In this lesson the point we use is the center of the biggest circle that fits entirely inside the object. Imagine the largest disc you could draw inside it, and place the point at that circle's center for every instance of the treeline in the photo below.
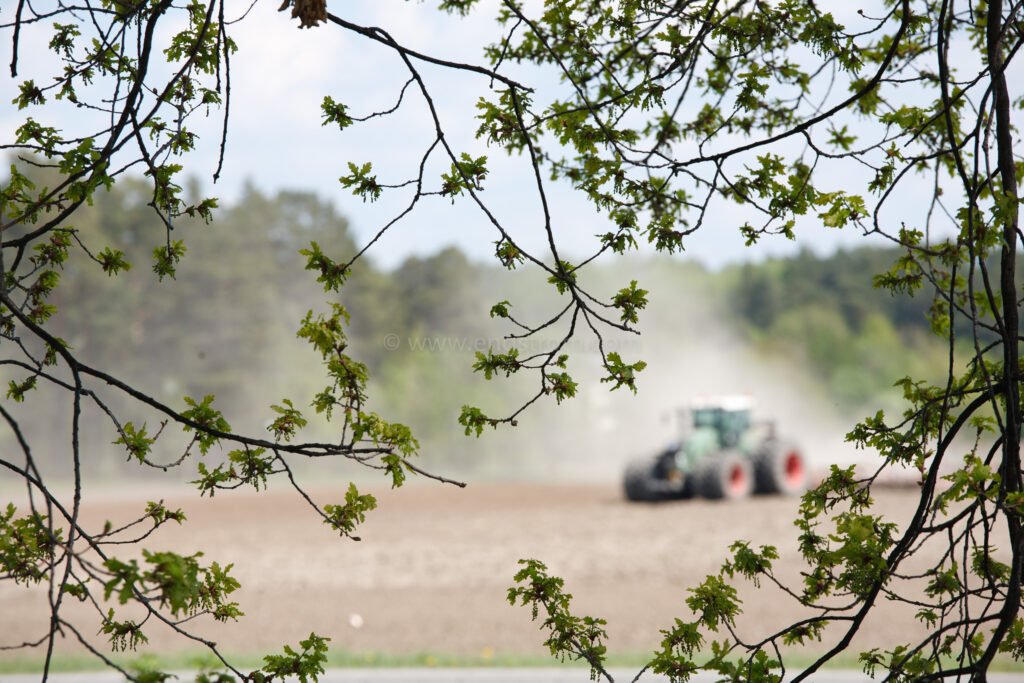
(225, 325)
(826, 312)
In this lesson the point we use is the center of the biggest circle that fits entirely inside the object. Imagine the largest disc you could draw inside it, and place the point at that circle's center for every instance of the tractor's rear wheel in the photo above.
(725, 476)
(779, 467)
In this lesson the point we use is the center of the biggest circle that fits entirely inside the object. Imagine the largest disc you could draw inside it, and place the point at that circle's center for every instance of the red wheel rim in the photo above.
(794, 469)
(737, 480)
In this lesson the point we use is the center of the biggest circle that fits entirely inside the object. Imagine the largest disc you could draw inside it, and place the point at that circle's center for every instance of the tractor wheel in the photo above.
(779, 468)
(640, 484)
(725, 476)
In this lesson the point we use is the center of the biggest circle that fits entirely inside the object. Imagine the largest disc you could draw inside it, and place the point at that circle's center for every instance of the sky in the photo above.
(276, 141)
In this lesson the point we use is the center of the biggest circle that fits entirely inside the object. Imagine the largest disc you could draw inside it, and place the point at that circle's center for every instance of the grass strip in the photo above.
(340, 659)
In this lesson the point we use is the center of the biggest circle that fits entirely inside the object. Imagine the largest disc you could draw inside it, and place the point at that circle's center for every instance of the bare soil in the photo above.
(435, 563)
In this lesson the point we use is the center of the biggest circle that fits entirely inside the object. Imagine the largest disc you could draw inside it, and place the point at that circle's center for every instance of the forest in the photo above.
(419, 326)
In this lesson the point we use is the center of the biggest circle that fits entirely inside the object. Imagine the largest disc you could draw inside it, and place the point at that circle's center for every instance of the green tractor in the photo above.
(721, 455)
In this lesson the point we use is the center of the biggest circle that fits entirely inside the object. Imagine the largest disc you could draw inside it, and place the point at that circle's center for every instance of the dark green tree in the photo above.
(661, 115)
(826, 315)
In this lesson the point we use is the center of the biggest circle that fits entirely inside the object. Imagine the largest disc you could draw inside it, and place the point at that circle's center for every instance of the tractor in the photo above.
(721, 454)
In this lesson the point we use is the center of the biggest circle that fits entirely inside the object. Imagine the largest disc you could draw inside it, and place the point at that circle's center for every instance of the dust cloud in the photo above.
(691, 353)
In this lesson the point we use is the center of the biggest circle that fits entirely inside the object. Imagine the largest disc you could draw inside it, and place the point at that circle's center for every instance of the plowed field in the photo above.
(435, 562)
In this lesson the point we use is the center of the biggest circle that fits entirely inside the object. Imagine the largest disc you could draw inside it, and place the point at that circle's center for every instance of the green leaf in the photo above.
(362, 183)
(135, 441)
(306, 665)
(629, 300)
(564, 277)
(166, 258)
(345, 518)
(288, 421)
(336, 113)
(570, 636)
(208, 420)
(621, 373)
(113, 261)
(474, 420)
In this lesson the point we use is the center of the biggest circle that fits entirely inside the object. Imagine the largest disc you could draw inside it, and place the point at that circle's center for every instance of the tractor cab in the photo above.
(712, 426)
(728, 424)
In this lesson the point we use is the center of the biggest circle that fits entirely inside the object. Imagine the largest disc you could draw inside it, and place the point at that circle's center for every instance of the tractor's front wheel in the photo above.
(639, 482)
(725, 476)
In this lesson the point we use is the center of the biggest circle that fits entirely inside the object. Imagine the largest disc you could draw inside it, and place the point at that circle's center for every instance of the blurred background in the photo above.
(806, 336)
(796, 325)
